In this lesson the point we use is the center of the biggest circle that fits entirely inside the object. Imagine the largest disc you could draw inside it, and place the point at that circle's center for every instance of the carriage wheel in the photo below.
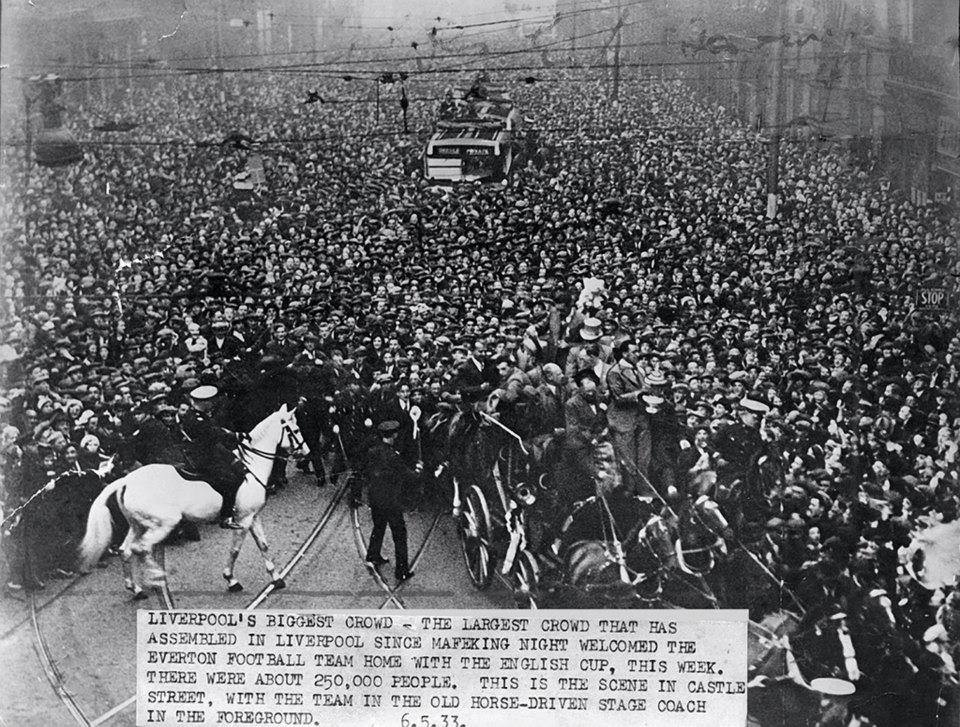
(525, 577)
(475, 536)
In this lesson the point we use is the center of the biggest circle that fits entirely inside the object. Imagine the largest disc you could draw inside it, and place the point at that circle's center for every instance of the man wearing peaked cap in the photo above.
(740, 447)
(386, 477)
(209, 451)
(754, 405)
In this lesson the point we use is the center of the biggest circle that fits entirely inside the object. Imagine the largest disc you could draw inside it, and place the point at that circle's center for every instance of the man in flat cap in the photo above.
(209, 451)
(386, 476)
(151, 439)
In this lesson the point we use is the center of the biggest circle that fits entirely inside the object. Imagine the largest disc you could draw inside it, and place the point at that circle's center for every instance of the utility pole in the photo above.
(773, 157)
(575, 14)
(615, 91)
(616, 34)
(218, 19)
(28, 133)
(129, 68)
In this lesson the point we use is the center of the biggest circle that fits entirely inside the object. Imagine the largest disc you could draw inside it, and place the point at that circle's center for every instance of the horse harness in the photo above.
(704, 557)
(296, 441)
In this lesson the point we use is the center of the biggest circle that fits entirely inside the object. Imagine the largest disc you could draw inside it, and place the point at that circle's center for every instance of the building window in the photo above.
(901, 20)
(948, 137)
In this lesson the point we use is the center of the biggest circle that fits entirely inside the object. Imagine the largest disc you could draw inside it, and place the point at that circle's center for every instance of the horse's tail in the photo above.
(99, 528)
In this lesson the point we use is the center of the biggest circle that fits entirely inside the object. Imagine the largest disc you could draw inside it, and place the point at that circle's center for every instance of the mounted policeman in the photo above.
(209, 451)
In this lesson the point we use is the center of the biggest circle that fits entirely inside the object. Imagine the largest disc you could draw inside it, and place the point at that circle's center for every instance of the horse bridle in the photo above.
(297, 442)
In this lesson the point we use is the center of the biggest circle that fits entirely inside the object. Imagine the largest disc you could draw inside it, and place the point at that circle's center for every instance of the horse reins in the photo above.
(297, 443)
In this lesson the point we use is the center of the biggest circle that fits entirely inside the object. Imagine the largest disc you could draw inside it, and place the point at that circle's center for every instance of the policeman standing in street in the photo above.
(209, 451)
(386, 476)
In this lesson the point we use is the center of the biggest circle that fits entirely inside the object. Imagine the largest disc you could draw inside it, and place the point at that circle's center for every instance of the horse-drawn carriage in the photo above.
(491, 499)
(606, 548)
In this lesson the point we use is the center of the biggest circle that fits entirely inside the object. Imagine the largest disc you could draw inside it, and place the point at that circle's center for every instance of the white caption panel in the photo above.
(442, 668)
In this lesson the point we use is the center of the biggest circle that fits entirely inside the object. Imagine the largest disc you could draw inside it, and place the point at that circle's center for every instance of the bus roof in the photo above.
(471, 136)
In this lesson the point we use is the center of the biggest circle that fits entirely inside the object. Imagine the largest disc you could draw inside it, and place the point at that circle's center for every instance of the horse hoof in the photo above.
(279, 584)
(139, 595)
(235, 587)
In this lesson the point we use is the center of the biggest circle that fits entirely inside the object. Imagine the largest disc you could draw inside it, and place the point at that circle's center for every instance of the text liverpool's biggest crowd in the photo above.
(128, 281)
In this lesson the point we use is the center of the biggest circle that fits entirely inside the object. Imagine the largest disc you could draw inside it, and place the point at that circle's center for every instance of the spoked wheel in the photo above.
(525, 577)
(475, 537)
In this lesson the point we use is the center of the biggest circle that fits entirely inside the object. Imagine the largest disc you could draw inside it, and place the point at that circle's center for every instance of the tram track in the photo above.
(48, 664)
(420, 551)
(166, 601)
(306, 544)
(361, 545)
(50, 670)
(49, 602)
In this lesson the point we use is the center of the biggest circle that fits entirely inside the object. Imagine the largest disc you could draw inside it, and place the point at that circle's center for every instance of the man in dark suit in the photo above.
(474, 378)
(664, 444)
(629, 426)
(280, 345)
(223, 345)
(550, 403)
(584, 423)
(738, 444)
(315, 390)
(386, 476)
(209, 451)
(396, 406)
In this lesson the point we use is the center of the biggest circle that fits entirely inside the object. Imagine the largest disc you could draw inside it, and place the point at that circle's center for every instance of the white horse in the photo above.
(155, 498)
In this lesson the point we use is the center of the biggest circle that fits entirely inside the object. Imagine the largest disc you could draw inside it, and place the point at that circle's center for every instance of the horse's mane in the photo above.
(256, 434)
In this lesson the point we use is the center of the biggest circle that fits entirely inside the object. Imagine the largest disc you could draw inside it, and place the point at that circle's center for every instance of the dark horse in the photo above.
(612, 551)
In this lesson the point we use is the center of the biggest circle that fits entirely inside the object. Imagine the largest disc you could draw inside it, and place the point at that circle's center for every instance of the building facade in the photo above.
(882, 76)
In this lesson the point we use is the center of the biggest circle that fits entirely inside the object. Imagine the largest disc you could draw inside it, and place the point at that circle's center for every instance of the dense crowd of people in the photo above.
(625, 285)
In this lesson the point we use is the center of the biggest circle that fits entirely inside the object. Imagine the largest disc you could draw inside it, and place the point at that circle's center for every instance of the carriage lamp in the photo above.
(525, 495)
